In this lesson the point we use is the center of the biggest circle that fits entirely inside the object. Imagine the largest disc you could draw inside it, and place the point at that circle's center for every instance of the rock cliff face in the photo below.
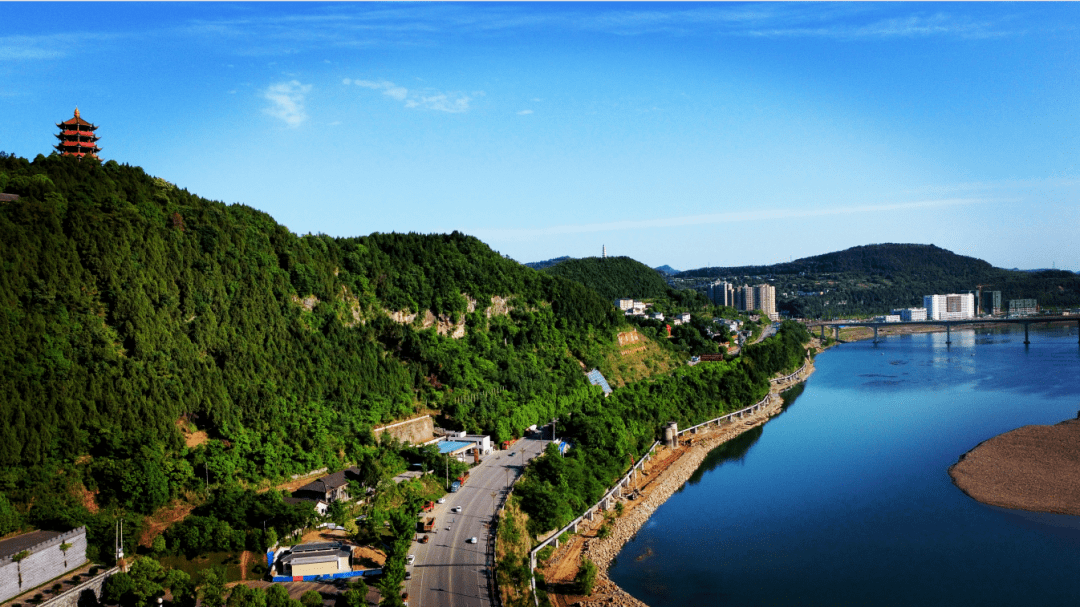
(442, 324)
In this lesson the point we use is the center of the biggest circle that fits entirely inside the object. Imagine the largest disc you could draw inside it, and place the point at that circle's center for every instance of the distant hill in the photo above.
(874, 279)
(540, 265)
(613, 277)
(666, 269)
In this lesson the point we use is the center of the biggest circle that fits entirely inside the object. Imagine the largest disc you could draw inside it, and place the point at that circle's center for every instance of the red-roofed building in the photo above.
(77, 138)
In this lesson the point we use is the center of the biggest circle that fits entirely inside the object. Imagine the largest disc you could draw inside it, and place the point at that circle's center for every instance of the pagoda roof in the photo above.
(76, 120)
(85, 144)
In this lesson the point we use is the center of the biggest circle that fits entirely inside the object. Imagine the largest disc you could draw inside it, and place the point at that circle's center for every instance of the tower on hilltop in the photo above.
(77, 138)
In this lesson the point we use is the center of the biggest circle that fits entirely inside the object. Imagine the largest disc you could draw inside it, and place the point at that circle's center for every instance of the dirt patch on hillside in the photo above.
(87, 498)
(161, 520)
(192, 438)
(1031, 468)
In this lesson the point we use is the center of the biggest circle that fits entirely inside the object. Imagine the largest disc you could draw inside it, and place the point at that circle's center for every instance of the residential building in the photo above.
(625, 304)
(765, 300)
(1023, 307)
(990, 303)
(721, 293)
(911, 314)
(953, 306)
(329, 488)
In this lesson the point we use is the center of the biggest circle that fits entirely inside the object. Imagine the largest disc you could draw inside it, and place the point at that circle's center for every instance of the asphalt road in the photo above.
(448, 571)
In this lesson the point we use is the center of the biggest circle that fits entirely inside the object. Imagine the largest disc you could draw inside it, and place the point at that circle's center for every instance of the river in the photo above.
(845, 499)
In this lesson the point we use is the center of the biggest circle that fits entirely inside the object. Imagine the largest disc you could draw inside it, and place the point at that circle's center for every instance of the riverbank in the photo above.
(665, 474)
(1034, 468)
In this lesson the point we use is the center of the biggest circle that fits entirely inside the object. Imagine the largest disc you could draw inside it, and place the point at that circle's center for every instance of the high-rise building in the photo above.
(954, 306)
(721, 293)
(77, 138)
(765, 300)
(990, 303)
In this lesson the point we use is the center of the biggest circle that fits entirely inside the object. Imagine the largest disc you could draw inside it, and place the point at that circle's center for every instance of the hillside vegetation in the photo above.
(613, 277)
(127, 303)
(875, 279)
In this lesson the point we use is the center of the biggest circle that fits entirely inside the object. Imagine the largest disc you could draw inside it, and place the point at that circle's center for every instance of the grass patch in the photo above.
(229, 560)
(512, 546)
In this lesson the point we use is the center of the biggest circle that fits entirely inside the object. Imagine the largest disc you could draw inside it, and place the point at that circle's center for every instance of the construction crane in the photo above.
(978, 299)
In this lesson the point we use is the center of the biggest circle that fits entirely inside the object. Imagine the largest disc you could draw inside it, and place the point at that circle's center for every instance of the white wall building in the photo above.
(954, 306)
(911, 314)
(625, 304)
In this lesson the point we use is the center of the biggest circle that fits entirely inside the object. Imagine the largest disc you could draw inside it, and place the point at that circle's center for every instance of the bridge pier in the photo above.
(1027, 342)
(875, 335)
(948, 334)
(836, 332)
(822, 331)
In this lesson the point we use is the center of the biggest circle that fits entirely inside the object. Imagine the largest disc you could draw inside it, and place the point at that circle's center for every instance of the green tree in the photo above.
(311, 598)
(586, 577)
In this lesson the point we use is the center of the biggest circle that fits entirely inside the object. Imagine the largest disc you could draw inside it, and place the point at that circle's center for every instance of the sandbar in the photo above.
(1034, 468)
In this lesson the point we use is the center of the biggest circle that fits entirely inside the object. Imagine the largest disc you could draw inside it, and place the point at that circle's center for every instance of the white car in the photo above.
(441, 500)
(472, 540)
(409, 559)
(456, 509)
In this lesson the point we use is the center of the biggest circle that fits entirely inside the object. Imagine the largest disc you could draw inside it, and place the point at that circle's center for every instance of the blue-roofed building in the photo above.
(452, 447)
(597, 379)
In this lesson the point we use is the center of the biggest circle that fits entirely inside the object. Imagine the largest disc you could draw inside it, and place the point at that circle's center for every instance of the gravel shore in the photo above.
(1033, 468)
(657, 491)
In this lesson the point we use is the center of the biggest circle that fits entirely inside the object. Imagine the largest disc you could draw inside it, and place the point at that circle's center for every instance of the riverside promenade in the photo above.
(663, 475)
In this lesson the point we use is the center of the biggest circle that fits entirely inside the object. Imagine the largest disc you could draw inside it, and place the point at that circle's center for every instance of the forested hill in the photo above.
(913, 259)
(613, 277)
(128, 304)
(874, 279)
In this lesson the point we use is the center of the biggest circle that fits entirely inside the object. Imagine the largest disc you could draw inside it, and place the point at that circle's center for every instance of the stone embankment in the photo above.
(656, 489)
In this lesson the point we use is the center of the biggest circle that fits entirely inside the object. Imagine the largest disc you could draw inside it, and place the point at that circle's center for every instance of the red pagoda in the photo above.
(77, 138)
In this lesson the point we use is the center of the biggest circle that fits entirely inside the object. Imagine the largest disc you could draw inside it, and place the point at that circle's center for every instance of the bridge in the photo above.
(1027, 321)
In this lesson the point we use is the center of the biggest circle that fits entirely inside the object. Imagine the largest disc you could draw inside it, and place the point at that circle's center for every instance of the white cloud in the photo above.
(524, 112)
(715, 218)
(287, 99)
(453, 102)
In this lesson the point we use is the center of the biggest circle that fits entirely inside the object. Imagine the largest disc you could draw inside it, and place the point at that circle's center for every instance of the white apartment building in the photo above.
(911, 314)
(954, 306)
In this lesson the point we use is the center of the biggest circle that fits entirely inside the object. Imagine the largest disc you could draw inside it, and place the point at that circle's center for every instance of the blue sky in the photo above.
(683, 134)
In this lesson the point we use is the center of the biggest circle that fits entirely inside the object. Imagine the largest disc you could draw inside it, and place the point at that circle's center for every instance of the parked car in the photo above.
(456, 509)
(441, 500)
(472, 540)
(409, 559)
(408, 575)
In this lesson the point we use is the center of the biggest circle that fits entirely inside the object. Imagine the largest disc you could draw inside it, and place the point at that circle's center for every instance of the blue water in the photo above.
(845, 499)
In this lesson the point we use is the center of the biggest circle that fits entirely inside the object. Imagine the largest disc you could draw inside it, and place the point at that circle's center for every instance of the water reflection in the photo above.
(735, 450)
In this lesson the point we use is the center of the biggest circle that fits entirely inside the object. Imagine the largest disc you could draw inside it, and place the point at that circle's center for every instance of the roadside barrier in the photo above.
(790, 375)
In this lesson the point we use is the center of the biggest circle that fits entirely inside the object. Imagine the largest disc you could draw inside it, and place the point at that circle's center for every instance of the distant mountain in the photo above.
(874, 279)
(613, 277)
(666, 269)
(540, 265)
(868, 259)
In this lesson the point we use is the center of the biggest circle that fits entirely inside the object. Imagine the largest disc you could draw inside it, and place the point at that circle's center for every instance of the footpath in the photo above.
(664, 475)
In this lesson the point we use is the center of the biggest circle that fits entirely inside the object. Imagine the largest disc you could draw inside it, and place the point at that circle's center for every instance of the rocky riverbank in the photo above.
(1033, 468)
(656, 489)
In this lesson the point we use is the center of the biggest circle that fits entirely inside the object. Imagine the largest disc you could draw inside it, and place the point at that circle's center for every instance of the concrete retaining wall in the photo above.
(45, 562)
(86, 593)
(416, 431)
